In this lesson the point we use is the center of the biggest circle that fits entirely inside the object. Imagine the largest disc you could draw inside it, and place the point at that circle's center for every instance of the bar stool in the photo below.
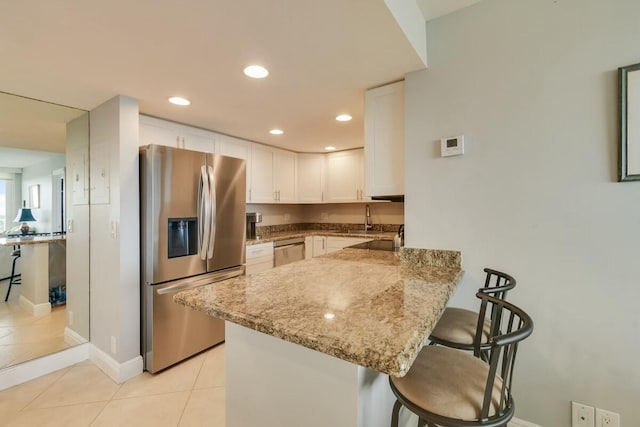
(451, 388)
(15, 279)
(457, 326)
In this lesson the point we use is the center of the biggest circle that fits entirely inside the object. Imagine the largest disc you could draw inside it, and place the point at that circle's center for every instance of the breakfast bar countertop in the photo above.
(371, 308)
(31, 240)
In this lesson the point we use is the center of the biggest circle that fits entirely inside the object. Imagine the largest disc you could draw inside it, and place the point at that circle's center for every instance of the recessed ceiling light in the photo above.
(276, 132)
(179, 101)
(329, 316)
(256, 71)
(330, 148)
(343, 118)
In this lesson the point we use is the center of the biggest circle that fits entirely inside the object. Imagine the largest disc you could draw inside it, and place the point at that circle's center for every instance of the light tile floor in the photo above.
(23, 336)
(189, 394)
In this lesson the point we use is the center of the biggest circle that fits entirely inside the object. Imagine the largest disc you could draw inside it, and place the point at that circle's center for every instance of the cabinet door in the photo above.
(197, 139)
(337, 243)
(343, 176)
(361, 176)
(310, 178)
(308, 247)
(319, 245)
(156, 131)
(284, 172)
(262, 184)
(238, 148)
(384, 140)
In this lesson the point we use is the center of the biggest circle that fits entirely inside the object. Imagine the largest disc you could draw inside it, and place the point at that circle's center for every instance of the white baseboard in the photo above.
(72, 338)
(119, 372)
(35, 368)
(516, 422)
(35, 309)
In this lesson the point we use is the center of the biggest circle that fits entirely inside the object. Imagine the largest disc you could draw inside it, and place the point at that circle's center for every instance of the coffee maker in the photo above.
(253, 219)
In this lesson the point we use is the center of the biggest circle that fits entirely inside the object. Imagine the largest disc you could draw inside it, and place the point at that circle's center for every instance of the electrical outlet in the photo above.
(606, 418)
(287, 217)
(70, 317)
(582, 415)
(324, 216)
(114, 348)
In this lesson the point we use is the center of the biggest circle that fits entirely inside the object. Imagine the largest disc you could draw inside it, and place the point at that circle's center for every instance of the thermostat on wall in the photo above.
(452, 146)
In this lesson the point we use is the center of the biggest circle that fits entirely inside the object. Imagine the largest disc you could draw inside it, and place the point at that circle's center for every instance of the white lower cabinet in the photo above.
(337, 243)
(326, 244)
(308, 247)
(319, 245)
(259, 258)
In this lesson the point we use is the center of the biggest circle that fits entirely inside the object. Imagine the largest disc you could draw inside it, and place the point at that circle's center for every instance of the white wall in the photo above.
(115, 260)
(40, 174)
(533, 86)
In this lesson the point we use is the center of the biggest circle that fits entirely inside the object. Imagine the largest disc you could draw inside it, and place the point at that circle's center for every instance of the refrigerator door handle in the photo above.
(212, 212)
(204, 226)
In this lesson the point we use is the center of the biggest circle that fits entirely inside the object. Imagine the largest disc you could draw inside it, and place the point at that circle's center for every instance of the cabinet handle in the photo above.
(278, 195)
(178, 141)
(322, 196)
(275, 195)
(249, 194)
(322, 244)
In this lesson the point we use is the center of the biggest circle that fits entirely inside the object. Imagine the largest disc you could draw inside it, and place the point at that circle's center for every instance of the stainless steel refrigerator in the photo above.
(192, 211)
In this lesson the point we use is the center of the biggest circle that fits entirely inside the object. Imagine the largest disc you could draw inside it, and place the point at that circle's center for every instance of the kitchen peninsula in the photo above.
(309, 343)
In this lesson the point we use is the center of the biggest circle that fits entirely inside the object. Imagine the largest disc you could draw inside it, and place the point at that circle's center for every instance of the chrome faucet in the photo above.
(368, 225)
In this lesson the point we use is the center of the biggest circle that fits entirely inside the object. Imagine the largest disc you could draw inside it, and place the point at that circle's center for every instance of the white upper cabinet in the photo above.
(262, 184)
(284, 172)
(311, 178)
(384, 140)
(163, 132)
(345, 176)
(273, 175)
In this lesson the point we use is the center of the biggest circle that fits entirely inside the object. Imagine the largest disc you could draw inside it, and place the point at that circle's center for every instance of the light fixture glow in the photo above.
(329, 316)
(276, 131)
(256, 71)
(330, 148)
(343, 118)
(177, 100)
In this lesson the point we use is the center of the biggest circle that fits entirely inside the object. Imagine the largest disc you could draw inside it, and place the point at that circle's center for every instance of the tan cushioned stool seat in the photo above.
(448, 382)
(458, 325)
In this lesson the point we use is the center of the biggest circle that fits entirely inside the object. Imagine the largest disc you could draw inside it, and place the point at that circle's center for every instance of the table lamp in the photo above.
(23, 216)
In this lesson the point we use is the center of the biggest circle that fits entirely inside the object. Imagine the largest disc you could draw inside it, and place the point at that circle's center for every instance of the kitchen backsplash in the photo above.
(351, 215)
(322, 226)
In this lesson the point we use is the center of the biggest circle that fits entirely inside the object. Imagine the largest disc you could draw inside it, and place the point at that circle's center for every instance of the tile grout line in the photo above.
(195, 381)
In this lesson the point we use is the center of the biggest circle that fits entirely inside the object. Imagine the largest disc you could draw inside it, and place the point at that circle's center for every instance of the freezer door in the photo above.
(228, 230)
(173, 332)
(169, 181)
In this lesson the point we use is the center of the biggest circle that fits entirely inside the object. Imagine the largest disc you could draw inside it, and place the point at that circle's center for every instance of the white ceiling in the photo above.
(432, 9)
(322, 56)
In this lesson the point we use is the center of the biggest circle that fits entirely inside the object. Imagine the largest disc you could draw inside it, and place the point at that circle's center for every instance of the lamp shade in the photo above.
(24, 215)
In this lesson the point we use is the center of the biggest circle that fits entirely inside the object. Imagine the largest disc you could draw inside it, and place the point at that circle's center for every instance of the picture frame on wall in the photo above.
(629, 97)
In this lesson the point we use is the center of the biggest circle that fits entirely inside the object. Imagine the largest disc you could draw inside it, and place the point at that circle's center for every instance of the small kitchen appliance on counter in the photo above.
(253, 218)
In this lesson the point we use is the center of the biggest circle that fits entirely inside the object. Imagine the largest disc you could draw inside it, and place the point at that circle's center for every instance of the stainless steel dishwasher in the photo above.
(289, 250)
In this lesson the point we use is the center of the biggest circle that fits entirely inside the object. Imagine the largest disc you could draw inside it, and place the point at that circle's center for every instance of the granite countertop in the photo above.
(30, 240)
(282, 235)
(371, 308)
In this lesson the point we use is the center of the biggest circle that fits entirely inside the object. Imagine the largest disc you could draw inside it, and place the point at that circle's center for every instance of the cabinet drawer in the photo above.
(259, 251)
